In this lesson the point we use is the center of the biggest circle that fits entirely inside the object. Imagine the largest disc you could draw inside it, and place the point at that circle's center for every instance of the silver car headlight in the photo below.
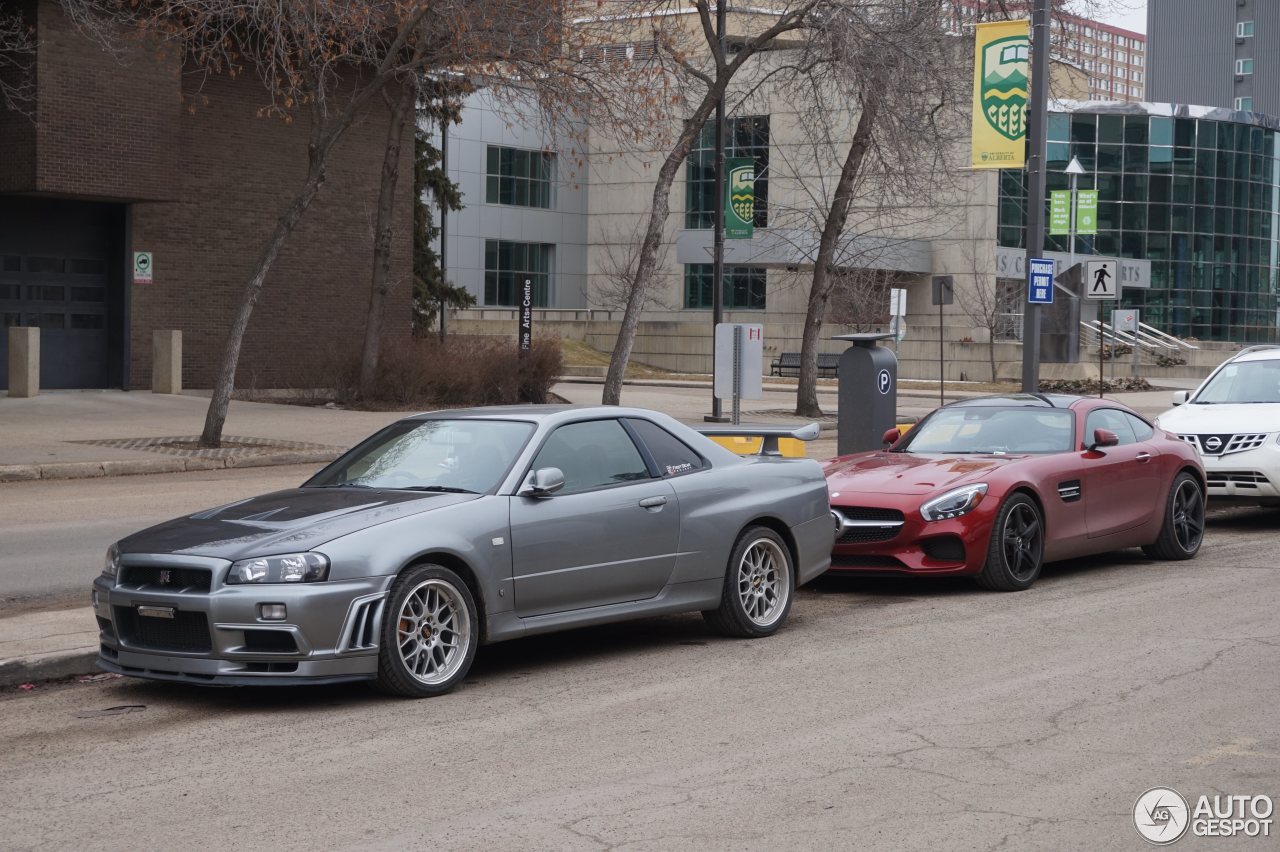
(286, 568)
(954, 503)
(111, 563)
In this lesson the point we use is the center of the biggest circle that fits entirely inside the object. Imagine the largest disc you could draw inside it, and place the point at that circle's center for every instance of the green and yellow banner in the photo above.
(740, 198)
(1001, 69)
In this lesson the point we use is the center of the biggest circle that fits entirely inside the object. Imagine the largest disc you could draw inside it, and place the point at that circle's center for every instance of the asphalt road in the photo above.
(885, 715)
(53, 534)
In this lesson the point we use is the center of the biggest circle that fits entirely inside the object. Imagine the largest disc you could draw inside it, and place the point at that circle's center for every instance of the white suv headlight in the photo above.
(954, 503)
(286, 568)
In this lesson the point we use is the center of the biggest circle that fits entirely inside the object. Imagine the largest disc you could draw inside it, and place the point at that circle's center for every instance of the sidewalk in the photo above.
(37, 646)
(80, 434)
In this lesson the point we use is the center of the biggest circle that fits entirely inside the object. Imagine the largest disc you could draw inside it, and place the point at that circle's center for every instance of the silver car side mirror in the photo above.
(543, 482)
(1180, 397)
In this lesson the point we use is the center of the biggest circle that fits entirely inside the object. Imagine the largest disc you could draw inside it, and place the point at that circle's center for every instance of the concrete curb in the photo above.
(168, 464)
(48, 667)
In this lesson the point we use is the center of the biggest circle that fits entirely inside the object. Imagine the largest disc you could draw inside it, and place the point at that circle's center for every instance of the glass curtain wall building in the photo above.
(1193, 190)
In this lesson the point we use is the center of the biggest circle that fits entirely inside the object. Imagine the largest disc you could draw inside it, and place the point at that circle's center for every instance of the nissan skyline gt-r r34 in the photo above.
(995, 487)
(451, 529)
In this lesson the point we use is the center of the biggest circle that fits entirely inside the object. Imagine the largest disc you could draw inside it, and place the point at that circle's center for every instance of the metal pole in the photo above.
(717, 260)
(1038, 107)
(444, 227)
(1072, 247)
(942, 393)
(737, 374)
(1101, 375)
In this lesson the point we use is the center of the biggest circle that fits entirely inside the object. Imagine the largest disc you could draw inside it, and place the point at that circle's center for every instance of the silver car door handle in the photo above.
(653, 502)
(1142, 458)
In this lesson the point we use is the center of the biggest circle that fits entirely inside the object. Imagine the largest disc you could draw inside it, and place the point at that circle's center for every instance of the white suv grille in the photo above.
(1222, 445)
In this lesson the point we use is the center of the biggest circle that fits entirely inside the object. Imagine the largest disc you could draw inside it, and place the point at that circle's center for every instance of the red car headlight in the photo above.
(954, 503)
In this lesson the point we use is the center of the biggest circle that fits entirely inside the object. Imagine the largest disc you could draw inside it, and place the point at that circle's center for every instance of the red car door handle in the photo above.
(1142, 458)
(653, 502)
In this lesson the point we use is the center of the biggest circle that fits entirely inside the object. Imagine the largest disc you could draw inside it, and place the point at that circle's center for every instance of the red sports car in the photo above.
(994, 487)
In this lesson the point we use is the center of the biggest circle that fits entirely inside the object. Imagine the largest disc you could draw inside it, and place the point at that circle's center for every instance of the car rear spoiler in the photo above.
(768, 433)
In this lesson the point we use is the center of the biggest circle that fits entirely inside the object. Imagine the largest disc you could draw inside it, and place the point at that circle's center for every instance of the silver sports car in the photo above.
(448, 530)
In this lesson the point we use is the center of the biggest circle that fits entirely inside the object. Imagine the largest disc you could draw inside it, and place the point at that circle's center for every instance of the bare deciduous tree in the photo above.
(694, 70)
(327, 62)
(17, 63)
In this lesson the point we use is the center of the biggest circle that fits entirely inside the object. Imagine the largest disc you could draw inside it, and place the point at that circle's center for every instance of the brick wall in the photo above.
(108, 128)
(206, 179)
(239, 173)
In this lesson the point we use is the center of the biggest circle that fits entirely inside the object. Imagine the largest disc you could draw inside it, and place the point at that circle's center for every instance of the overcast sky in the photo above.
(1130, 14)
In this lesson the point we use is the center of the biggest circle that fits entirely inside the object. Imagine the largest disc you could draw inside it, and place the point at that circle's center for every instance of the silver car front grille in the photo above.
(1225, 444)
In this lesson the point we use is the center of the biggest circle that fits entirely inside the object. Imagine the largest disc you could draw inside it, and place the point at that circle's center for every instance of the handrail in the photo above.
(1146, 336)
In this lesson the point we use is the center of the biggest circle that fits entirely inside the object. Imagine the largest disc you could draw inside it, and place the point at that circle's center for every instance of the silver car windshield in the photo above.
(468, 455)
(1245, 382)
(993, 430)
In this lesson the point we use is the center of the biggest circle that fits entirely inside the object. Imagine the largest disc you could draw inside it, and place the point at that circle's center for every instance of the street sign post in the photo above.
(1040, 281)
(1101, 283)
(739, 357)
(944, 293)
(898, 310)
(1126, 320)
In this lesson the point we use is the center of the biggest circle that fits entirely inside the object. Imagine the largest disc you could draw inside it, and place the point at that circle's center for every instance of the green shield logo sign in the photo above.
(1004, 85)
(741, 203)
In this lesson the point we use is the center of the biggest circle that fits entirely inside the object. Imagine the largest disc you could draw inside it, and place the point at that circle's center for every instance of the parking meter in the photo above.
(868, 393)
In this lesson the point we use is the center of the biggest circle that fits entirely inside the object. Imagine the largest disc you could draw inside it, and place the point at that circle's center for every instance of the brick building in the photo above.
(1114, 58)
(133, 155)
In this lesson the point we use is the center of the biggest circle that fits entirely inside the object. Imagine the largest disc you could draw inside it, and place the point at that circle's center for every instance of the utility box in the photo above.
(868, 393)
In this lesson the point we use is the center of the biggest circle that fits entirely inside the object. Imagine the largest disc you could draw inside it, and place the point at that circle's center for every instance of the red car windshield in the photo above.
(975, 429)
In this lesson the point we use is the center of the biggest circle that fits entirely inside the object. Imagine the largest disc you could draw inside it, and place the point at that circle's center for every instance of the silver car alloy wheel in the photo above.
(764, 582)
(433, 631)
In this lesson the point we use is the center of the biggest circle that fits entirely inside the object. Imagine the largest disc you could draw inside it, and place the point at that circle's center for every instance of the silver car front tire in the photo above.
(429, 633)
(758, 585)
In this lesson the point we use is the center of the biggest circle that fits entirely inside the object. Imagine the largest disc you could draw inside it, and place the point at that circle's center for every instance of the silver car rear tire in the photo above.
(758, 585)
(430, 633)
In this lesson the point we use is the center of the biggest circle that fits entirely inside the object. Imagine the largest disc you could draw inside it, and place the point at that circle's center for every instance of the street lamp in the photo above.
(1075, 170)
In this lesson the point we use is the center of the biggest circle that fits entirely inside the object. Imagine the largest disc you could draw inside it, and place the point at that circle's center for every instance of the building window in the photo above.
(519, 177)
(1244, 29)
(1137, 60)
(508, 264)
(1136, 91)
(1244, 104)
(1244, 66)
(1137, 76)
(745, 136)
(743, 287)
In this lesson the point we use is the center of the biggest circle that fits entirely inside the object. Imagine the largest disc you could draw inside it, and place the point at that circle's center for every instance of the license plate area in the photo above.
(152, 611)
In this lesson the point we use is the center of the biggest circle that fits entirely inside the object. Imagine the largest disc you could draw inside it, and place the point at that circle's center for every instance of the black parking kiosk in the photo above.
(868, 393)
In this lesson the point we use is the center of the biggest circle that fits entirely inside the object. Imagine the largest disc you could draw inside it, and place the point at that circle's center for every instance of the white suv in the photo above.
(1233, 419)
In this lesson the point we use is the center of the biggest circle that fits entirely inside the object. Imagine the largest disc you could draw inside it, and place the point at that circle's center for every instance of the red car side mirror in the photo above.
(1104, 438)
(891, 437)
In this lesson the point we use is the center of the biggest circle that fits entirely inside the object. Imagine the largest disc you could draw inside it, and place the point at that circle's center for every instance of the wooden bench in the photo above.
(788, 364)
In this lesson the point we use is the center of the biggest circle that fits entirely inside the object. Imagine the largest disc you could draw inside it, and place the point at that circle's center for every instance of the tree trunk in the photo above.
(991, 353)
(647, 261)
(216, 416)
(820, 291)
(382, 235)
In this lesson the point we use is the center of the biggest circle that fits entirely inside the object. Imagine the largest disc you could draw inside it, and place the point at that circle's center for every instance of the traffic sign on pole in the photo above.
(1101, 281)
(1040, 281)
